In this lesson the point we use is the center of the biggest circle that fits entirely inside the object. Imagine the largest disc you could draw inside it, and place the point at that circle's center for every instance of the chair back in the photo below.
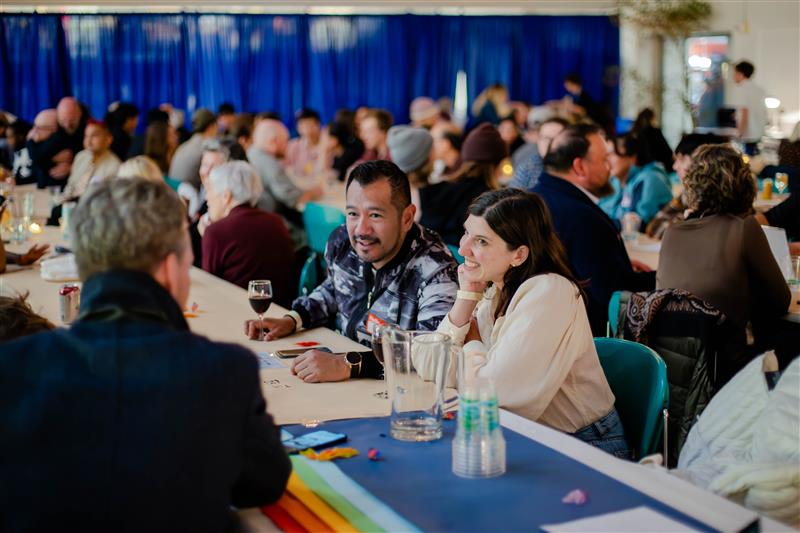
(320, 221)
(638, 378)
(457, 256)
(613, 313)
(309, 278)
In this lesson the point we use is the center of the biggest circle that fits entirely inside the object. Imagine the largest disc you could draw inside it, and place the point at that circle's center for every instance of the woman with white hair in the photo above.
(244, 243)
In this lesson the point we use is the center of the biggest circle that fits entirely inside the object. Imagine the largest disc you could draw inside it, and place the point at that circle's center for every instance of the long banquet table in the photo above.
(219, 313)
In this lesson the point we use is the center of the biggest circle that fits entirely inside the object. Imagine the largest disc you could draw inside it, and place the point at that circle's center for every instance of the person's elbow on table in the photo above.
(276, 327)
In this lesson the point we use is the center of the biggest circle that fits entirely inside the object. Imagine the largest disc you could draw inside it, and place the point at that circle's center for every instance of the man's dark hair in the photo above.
(373, 171)
(574, 77)
(570, 144)
(307, 113)
(382, 117)
(156, 115)
(268, 115)
(746, 68)
(692, 141)
(454, 139)
(226, 108)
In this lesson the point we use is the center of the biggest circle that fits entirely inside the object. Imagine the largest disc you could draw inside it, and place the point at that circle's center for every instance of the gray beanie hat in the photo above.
(409, 147)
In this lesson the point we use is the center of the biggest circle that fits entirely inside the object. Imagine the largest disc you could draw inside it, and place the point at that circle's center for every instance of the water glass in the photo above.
(794, 271)
(415, 364)
(631, 222)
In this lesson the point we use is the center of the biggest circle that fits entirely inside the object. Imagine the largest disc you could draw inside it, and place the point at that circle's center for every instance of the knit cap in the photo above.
(410, 147)
(484, 145)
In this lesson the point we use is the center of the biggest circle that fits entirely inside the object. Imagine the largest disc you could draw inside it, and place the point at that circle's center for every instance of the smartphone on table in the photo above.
(314, 440)
(294, 352)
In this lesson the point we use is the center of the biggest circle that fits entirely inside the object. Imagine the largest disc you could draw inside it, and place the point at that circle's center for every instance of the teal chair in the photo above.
(174, 184)
(319, 221)
(454, 250)
(638, 379)
(613, 314)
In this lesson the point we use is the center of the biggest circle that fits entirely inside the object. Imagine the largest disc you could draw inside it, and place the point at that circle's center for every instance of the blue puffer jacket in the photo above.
(414, 291)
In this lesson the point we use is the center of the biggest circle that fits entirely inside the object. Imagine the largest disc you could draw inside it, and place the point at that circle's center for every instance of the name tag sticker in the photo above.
(374, 321)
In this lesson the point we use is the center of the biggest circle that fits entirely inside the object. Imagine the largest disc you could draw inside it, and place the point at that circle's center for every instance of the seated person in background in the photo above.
(17, 319)
(306, 157)
(720, 253)
(373, 131)
(141, 166)
(644, 187)
(16, 134)
(122, 119)
(95, 162)
(509, 132)
(52, 157)
(424, 112)
(412, 152)
(444, 204)
(44, 127)
(674, 211)
(344, 146)
(785, 215)
(447, 141)
(226, 117)
(159, 428)
(576, 175)
(529, 332)
(244, 243)
(382, 269)
(185, 164)
(528, 170)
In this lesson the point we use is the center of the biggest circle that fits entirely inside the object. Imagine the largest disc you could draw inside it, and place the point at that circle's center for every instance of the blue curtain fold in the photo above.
(285, 62)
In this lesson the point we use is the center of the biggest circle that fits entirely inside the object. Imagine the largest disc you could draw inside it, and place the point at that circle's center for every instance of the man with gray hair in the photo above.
(244, 242)
(159, 428)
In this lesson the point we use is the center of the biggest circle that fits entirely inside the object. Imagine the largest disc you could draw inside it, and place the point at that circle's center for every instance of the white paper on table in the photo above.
(266, 360)
(652, 247)
(641, 519)
(776, 237)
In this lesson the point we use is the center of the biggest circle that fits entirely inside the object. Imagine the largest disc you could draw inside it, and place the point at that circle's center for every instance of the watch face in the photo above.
(353, 358)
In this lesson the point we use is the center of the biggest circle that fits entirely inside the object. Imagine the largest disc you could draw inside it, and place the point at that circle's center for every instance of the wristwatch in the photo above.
(353, 360)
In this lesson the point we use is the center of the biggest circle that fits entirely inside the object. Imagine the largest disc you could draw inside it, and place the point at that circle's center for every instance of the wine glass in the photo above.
(259, 292)
(781, 181)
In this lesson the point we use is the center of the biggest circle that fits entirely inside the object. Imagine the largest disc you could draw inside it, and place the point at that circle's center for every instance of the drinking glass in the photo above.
(259, 292)
(781, 181)
(377, 342)
(631, 222)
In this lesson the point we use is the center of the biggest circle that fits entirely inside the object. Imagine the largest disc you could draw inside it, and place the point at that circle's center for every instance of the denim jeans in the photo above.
(607, 434)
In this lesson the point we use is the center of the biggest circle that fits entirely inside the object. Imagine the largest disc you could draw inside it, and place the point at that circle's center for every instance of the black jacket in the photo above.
(130, 422)
(594, 247)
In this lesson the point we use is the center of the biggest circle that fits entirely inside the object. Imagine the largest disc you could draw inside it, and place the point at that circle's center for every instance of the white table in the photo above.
(222, 309)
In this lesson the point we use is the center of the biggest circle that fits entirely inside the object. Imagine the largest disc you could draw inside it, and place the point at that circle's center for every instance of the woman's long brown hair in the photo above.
(522, 219)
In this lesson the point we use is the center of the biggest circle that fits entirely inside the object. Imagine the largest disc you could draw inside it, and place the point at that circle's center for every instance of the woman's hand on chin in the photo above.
(469, 279)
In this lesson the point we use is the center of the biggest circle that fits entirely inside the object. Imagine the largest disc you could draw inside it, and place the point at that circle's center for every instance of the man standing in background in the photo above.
(751, 113)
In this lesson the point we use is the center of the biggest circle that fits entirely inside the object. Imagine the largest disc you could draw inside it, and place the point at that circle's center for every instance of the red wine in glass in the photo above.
(259, 293)
(260, 304)
(377, 343)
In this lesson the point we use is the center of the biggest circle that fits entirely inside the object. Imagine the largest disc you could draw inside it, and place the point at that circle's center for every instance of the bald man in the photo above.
(52, 157)
(281, 195)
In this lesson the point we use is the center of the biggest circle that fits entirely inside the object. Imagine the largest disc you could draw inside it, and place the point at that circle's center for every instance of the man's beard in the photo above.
(604, 190)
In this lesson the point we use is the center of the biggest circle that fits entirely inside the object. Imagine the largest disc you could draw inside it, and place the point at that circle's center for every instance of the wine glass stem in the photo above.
(261, 335)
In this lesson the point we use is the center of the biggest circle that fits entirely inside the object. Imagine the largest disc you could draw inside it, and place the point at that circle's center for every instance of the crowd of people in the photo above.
(542, 256)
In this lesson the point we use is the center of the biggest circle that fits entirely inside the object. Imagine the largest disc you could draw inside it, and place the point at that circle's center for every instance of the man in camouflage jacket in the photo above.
(382, 269)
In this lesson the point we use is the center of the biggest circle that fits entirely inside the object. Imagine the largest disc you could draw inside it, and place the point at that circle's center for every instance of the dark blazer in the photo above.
(594, 247)
(130, 422)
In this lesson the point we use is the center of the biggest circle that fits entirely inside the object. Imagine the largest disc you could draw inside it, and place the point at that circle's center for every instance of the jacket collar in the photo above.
(134, 295)
(563, 186)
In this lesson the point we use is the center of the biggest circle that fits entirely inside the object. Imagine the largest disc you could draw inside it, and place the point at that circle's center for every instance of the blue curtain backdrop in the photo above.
(283, 63)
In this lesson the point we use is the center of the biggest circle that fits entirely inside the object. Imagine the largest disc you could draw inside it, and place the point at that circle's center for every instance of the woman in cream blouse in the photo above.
(521, 318)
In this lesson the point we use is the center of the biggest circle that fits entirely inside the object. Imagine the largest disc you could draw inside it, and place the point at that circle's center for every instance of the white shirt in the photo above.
(540, 355)
(748, 95)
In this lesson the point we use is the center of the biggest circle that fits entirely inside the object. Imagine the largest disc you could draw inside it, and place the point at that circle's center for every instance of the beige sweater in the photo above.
(540, 355)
